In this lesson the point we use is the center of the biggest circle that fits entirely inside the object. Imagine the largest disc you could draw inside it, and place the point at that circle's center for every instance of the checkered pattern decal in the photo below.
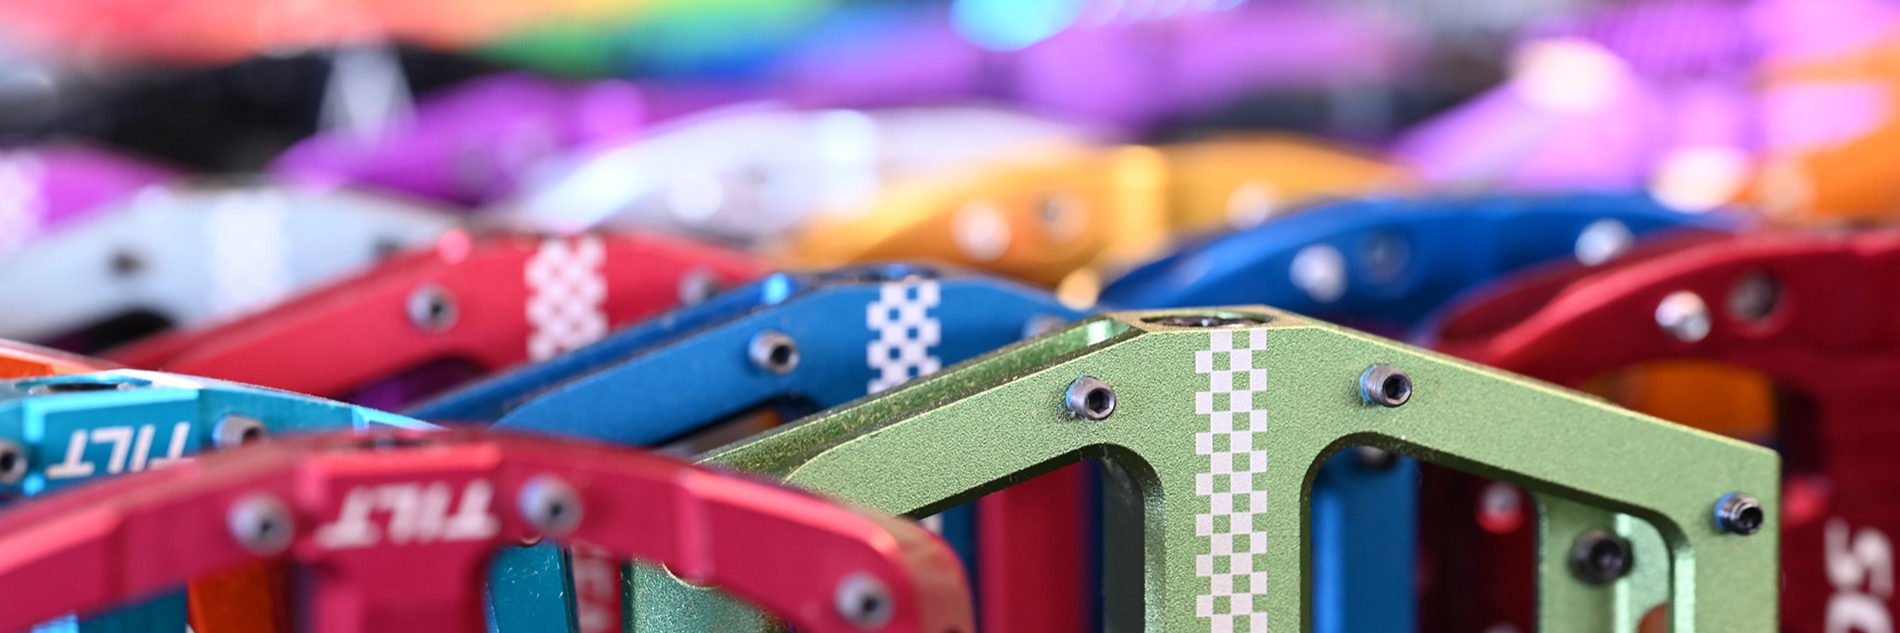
(1235, 559)
(247, 236)
(597, 582)
(567, 296)
(906, 332)
(20, 202)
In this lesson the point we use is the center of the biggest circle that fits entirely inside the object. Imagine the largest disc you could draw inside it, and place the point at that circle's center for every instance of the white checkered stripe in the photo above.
(21, 202)
(247, 250)
(906, 332)
(567, 295)
(1237, 549)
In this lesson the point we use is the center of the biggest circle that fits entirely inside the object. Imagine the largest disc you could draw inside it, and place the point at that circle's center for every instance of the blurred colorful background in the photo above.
(181, 175)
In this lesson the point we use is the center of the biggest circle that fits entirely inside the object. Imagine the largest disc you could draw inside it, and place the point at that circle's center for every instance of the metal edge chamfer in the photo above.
(261, 524)
(80, 384)
(773, 351)
(13, 462)
(1043, 324)
(1385, 385)
(1206, 320)
(1738, 513)
(1089, 399)
(550, 505)
(1373, 459)
(236, 430)
(1600, 558)
(865, 602)
(432, 308)
(879, 273)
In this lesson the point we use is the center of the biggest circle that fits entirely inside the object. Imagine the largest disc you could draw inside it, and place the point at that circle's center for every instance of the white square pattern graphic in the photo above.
(1231, 485)
(567, 296)
(906, 332)
(21, 202)
(248, 237)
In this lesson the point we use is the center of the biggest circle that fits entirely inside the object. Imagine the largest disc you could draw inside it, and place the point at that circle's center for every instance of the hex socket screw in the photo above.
(431, 308)
(1385, 385)
(1600, 558)
(261, 524)
(550, 505)
(1738, 513)
(1089, 399)
(864, 601)
(1043, 324)
(12, 462)
(234, 430)
(773, 351)
(1683, 315)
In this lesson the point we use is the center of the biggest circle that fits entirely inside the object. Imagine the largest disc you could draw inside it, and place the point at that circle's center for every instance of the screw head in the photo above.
(1387, 255)
(236, 430)
(1500, 508)
(864, 601)
(1739, 514)
(1754, 297)
(1089, 399)
(13, 462)
(1602, 241)
(981, 231)
(386, 247)
(1684, 316)
(550, 505)
(1061, 216)
(126, 263)
(1599, 557)
(1251, 203)
(1385, 385)
(432, 308)
(261, 524)
(698, 285)
(773, 351)
(1320, 270)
